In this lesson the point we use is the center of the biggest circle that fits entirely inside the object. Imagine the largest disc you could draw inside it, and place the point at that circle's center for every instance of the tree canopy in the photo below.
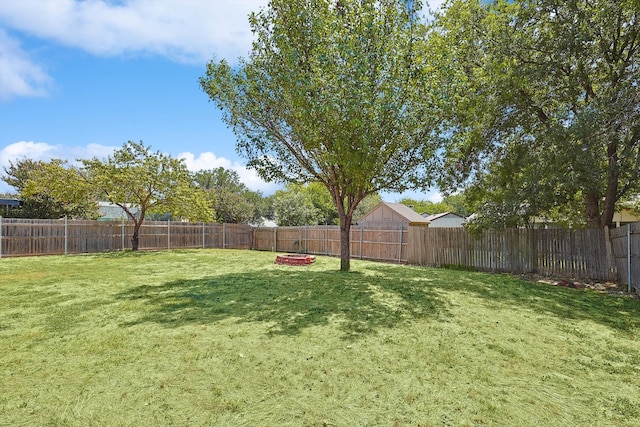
(547, 107)
(339, 93)
(43, 203)
(136, 179)
(452, 203)
(232, 201)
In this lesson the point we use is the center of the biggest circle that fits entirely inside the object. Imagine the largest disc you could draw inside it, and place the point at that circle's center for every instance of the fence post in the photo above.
(400, 251)
(0, 236)
(326, 239)
(203, 244)
(65, 235)
(224, 235)
(629, 257)
(275, 239)
(361, 239)
(122, 234)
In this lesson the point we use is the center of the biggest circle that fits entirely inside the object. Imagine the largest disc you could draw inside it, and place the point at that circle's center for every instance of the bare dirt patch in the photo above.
(610, 288)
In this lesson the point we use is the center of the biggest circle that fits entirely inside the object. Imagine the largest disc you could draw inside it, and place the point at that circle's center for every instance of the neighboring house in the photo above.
(445, 220)
(9, 204)
(392, 213)
(110, 212)
(624, 217)
(264, 222)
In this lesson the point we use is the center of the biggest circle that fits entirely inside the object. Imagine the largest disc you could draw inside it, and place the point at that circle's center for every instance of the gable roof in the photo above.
(403, 211)
(440, 215)
(406, 212)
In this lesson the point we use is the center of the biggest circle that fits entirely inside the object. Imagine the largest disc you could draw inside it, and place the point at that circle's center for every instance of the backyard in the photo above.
(227, 337)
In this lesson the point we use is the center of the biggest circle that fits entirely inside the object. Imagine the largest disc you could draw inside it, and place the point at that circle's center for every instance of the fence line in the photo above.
(625, 242)
(380, 243)
(581, 254)
(20, 237)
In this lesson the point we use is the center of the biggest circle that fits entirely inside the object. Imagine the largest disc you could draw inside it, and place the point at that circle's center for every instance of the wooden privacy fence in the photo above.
(625, 242)
(578, 253)
(381, 243)
(19, 237)
(581, 254)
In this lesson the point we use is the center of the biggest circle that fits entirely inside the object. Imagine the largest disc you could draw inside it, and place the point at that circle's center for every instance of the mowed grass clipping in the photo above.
(228, 338)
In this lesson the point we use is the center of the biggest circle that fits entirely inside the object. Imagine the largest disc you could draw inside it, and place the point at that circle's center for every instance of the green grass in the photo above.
(211, 337)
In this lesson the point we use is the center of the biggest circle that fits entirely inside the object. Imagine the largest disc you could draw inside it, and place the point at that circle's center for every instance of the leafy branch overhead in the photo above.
(547, 115)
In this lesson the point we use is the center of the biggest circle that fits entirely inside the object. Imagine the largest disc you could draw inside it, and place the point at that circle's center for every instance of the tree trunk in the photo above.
(346, 216)
(135, 238)
(345, 243)
(592, 205)
(611, 195)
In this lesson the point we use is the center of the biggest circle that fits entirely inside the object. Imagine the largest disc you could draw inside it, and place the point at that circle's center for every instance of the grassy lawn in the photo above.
(228, 338)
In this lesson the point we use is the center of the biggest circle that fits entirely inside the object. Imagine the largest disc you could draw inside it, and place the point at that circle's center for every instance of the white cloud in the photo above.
(24, 149)
(19, 74)
(184, 30)
(43, 151)
(209, 160)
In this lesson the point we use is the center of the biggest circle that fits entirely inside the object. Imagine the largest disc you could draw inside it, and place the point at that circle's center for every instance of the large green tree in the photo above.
(43, 204)
(547, 105)
(335, 92)
(136, 179)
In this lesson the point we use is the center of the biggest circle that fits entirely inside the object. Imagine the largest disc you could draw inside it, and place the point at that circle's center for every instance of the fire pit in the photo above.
(295, 259)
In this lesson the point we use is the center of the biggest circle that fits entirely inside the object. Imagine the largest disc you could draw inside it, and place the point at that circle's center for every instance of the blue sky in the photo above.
(80, 78)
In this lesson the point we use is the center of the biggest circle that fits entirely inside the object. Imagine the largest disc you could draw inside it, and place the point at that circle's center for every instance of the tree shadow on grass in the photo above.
(291, 300)
(618, 312)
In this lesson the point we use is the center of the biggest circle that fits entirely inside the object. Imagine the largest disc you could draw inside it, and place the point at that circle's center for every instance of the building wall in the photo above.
(447, 222)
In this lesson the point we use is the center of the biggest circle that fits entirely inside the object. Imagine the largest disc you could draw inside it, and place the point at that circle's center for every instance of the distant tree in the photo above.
(322, 201)
(293, 208)
(336, 93)
(139, 181)
(457, 203)
(368, 203)
(43, 204)
(425, 206)
(232, 201)
(453, 203)
(547, 105)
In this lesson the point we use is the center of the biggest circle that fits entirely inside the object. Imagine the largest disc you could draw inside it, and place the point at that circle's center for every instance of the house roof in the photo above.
(406, 212)
(440, 215)
(111, 211)
(403, 210)
(10, 202)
